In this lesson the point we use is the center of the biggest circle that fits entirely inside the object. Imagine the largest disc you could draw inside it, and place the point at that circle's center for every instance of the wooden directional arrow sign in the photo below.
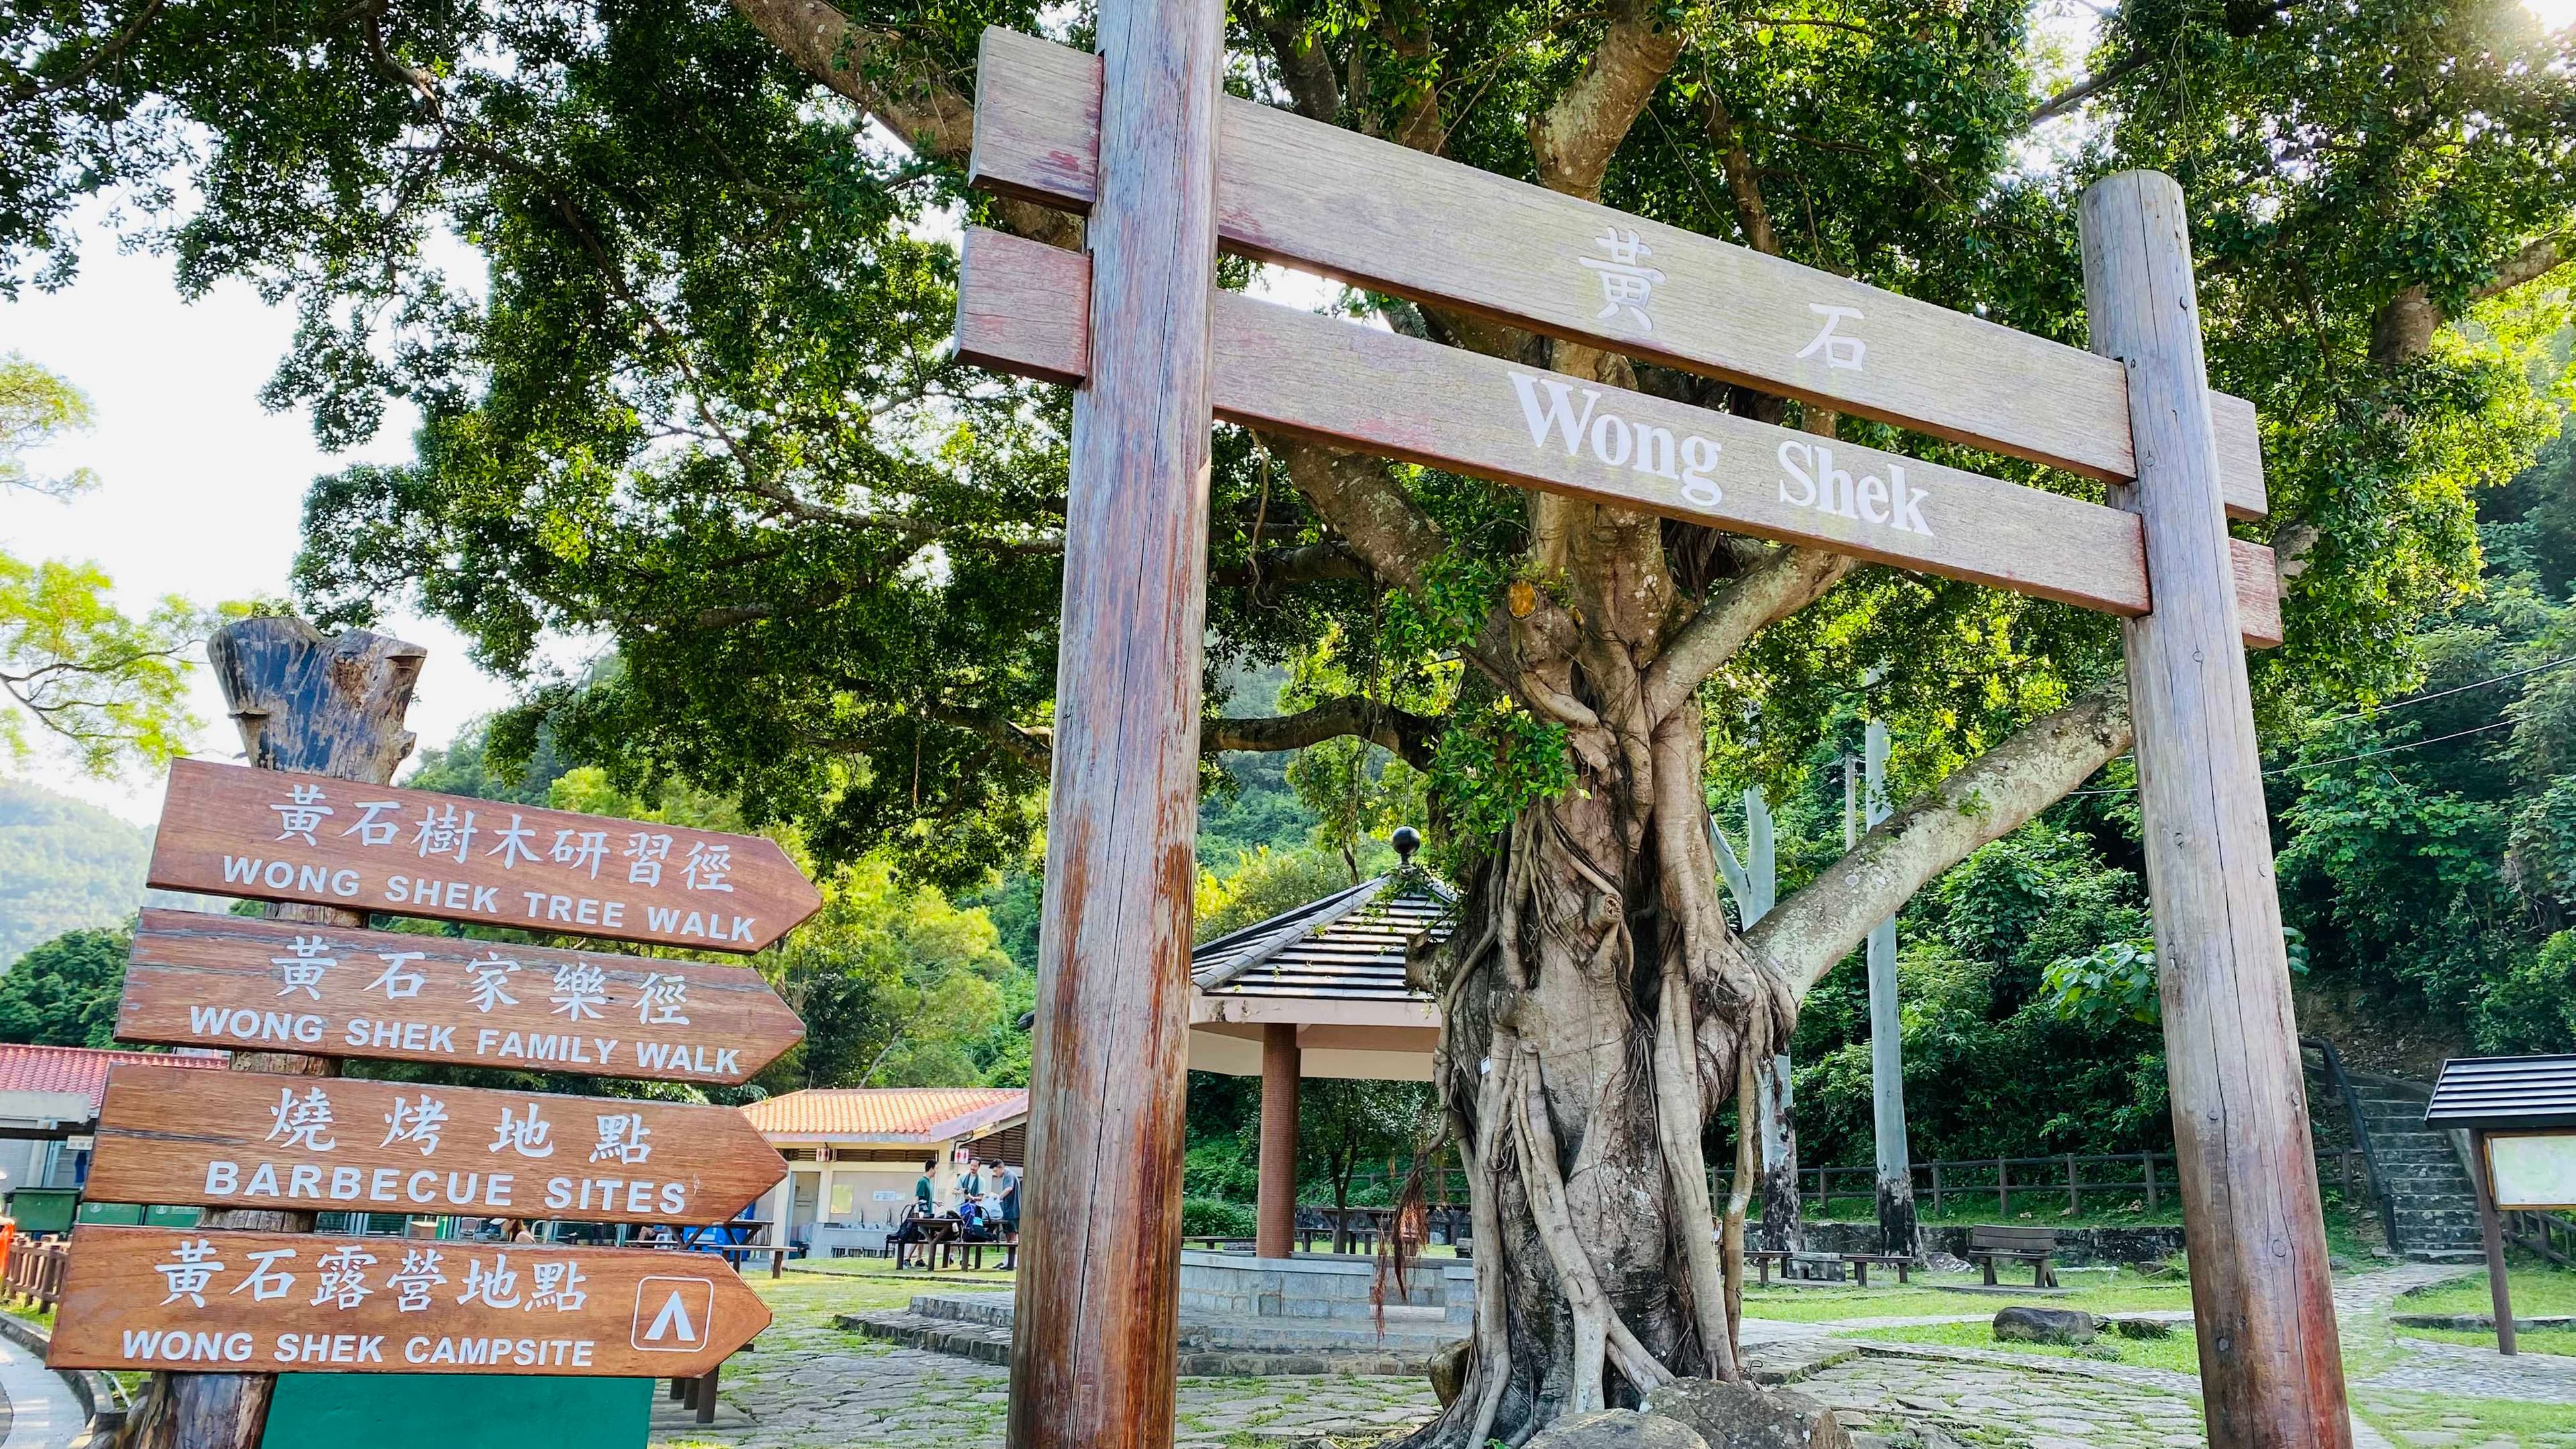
(256, 985)
(1021, 306)
(197, 1302)
(1299, 191)
(268, 835)
(243, 1139)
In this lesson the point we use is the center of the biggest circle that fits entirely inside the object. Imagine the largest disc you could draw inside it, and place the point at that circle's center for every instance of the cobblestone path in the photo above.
(809, 1385)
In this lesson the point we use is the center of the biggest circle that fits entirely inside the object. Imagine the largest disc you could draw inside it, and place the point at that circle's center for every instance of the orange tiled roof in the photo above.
(886, 1114)
(81, 1069)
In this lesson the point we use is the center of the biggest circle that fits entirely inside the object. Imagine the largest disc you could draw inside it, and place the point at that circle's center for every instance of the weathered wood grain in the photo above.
(1381, 392)
(241, 1139)
(2271, 1368)
(324, 705)
(195, 979)
(1096, 1331)
(609, 1314)
(1314, 195)
(268, 836)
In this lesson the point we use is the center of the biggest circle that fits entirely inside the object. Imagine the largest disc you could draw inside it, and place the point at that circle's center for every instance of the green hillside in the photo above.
(70, 865)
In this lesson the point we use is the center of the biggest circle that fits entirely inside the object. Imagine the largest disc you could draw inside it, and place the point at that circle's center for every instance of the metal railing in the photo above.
(2339, 1083)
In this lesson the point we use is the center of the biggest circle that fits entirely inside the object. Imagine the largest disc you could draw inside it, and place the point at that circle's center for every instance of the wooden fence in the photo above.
(2551, 1236)
(2146, 1178)
(35, 1270)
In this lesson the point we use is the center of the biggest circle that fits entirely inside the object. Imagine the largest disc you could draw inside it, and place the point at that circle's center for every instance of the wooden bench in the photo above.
(1860, 1263)
(2036, 1246)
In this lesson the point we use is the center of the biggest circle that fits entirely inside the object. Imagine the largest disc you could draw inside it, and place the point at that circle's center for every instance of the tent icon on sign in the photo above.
(673, 1315)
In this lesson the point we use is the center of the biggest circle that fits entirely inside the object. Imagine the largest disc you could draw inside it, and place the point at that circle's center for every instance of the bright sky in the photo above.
(203, 490)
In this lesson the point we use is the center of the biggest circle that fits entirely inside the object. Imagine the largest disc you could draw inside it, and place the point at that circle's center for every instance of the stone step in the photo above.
(985, 1343)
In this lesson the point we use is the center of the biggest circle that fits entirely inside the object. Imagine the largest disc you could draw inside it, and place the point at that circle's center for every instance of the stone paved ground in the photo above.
(810, 1385)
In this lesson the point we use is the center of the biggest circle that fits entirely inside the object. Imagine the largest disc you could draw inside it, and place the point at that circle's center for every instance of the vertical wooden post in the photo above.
(1094, 1337)
(319, 706)
(2491, 1227)
(2271, 1366)
(2147, 1160)
(1275, 1218)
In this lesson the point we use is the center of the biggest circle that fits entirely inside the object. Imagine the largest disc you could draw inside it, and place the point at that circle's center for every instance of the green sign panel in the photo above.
(458, 1411)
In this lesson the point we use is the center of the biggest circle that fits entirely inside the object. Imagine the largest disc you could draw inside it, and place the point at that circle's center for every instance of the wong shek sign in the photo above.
(213, 1301)
(243, 1139)
(255, 985)
(269, 835)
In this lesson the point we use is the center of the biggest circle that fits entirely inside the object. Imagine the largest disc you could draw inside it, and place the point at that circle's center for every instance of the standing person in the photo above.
(1010, 1204)
(925, 1193)
(973, 1186)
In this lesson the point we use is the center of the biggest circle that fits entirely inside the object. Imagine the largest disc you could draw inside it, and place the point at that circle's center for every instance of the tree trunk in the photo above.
(1783, 1215)
(1602, 1012)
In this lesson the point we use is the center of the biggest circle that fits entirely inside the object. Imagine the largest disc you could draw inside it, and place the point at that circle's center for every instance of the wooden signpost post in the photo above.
(189, 1301)
(238, 1139)
(230, 831)
(234, 981)
(216, 1311)
(1139, 140)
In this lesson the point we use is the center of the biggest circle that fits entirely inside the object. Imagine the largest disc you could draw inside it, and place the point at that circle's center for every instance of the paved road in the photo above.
(36, 1407)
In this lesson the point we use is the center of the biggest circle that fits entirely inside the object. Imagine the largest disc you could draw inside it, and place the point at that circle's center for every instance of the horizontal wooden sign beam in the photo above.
(229, 830)
(340, 1144)
(191, 1301)
(248, 984)
(1308, 194)
(1021, 306)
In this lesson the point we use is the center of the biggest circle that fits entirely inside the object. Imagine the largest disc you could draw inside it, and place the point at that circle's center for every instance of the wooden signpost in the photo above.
(1020, 308)
(1140, 140)
(2520, 1114)
(188, 1301)
(231, 831)
(317, 830)
(235, 981)
(239, 1139)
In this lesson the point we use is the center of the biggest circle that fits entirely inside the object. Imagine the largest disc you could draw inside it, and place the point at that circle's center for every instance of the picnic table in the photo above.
(1860, 1263)
(945, 1236)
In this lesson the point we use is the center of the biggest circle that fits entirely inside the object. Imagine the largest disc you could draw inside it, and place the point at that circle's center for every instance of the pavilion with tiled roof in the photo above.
(853, 1153)
(1318, 991)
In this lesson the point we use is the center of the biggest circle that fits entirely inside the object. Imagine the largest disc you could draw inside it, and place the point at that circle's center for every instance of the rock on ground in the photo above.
(1617, 1429)
(2019, 1324)
(1739, 1416)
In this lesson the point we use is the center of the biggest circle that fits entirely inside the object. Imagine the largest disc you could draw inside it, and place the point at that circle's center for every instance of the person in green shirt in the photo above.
(925, 1194)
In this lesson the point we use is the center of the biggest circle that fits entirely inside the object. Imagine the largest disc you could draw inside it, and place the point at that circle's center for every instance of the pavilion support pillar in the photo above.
(1275, 1220)
(2262, 1306)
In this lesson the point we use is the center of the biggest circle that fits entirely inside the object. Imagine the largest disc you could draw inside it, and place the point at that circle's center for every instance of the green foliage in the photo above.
(1488, 769)
(898, 987)
(1216, 1218)
(1264, 883)
(64, 992)
(1344, 1125)
(36, 407)
(2105, 986)
(109, 688)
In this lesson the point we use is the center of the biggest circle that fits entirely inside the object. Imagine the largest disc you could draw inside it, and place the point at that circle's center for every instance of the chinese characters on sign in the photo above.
(347, 1143)
(236, 831)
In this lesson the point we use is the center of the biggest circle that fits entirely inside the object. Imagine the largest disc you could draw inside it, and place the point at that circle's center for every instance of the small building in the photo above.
(1319, 991)
(854, 1153)
(49, 1100)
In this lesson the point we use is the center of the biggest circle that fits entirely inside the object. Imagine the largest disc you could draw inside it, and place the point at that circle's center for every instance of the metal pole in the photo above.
(1897, 1228)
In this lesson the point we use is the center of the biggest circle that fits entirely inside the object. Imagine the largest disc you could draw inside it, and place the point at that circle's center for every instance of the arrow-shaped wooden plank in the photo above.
(269, 835)
(249, 1140)
(256, 985)
(188, 1301)
(1390, 218)
(1021, 305)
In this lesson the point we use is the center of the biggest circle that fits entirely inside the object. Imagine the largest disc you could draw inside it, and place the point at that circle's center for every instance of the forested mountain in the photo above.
(70, 865)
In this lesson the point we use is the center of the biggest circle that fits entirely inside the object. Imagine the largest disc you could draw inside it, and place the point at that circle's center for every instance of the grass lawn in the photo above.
(2178, 1354)
(2538, 1289)
(2561, 1341)
(2128, 1292)
(2467, 1421)
(860, 1285)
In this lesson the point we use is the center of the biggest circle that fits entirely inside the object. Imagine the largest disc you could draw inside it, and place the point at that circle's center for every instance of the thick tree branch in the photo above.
(1409, 736)
(918, 104)
(1576, 137)
(1782, 584)
(1303, 65)
(1356, 499)
(2536, 260)
(1743, 182)
(1282, 568)
(2401, 331)
(1992, 796)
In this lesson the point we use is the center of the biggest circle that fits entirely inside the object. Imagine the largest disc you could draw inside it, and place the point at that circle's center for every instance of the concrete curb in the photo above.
(98, 1394)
